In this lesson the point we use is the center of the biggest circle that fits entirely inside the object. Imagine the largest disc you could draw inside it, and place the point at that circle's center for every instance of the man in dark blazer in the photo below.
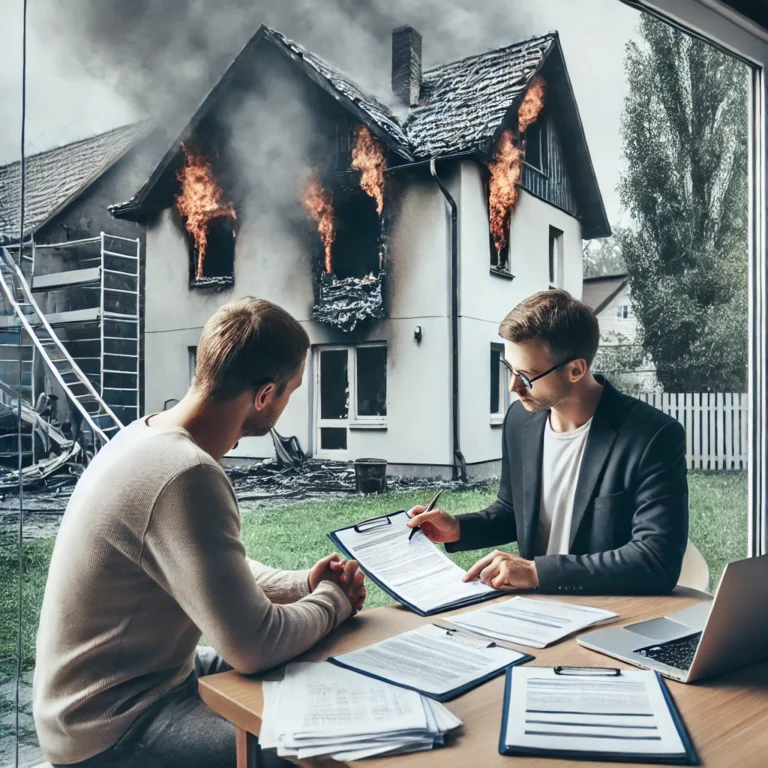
(593, 485)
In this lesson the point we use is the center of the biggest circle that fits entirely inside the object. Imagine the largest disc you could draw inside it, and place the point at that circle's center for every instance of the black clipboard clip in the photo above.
(372, 523)
(588, 671)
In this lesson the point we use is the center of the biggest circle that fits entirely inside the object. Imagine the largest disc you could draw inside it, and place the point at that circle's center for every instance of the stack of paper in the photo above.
(321, 710)
(536, 623)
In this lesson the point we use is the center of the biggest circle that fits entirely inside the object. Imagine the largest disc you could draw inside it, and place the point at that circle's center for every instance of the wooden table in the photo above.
(726, 716)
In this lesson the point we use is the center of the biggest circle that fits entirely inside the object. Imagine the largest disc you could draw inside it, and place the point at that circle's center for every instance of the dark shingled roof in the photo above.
(463, 103)
(57, 176)
(598, 291)
(462, 108)
(380, 114)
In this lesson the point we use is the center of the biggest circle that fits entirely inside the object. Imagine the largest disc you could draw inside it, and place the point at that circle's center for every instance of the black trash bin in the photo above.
(370, 475)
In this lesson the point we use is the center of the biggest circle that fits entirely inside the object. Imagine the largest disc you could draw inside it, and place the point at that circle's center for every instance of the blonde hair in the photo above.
(246, 344)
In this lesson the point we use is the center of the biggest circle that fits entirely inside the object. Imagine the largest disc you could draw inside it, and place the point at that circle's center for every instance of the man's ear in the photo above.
(264, 395)
(578, 370)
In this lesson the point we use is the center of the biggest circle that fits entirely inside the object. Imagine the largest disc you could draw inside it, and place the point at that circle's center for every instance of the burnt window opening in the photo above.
(499, 258)
(536, 148)
(356, 250)
(218, 263)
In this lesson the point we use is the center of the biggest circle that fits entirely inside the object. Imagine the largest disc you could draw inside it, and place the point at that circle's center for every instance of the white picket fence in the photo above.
(715, 426)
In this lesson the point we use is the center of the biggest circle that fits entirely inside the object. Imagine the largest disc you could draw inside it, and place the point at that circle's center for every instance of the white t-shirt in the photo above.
(561, 462)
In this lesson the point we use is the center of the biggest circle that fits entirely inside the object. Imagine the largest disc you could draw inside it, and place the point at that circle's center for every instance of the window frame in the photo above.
(556, 257)
(354, 420)
(721, 26)
(497, 418)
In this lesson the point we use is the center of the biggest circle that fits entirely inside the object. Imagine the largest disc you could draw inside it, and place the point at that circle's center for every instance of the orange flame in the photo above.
(319, 204)
(369, 158)
(200, 201)
(533, 103)
(506, 169)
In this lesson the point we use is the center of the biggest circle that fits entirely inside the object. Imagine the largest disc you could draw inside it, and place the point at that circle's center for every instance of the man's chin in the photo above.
(530, 405)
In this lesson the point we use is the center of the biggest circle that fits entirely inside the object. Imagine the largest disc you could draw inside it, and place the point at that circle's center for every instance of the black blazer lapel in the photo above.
(602, 435)
(532, 450)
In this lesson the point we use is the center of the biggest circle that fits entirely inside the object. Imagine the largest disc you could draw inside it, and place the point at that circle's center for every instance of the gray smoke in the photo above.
(165, 55)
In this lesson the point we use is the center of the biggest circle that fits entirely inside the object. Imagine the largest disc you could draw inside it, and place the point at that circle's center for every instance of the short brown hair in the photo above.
(567, 326)
(248, 343)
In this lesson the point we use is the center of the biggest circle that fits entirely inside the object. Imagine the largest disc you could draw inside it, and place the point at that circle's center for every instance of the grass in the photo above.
(295, 536)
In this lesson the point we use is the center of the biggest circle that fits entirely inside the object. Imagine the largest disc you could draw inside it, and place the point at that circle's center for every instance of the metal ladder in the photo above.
(95, 412)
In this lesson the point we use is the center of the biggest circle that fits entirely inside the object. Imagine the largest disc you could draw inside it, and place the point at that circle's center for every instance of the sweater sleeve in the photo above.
(192, 548)
(280, 586)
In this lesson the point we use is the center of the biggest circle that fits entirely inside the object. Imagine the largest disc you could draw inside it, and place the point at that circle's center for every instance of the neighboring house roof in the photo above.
(463, 107)
(598, 292)
(54, 178)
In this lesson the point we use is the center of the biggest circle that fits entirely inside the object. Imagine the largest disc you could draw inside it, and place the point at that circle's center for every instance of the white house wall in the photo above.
(485, 299)
(611, 325)
(272, 262)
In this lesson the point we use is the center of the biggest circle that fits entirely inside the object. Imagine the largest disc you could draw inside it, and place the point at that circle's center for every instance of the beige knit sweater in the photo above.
(148, 556)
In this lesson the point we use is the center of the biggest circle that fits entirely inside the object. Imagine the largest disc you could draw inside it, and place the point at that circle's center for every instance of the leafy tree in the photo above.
(604, 257)
(685, 184)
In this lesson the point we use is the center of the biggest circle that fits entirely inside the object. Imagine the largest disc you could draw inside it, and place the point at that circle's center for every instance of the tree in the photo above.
(604, 257)
(685, 144)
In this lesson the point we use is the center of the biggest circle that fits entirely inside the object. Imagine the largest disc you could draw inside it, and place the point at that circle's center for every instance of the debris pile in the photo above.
(315, 479)
(346, 303)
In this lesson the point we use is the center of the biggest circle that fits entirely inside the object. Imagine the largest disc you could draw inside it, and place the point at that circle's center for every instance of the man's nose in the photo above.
(515, 385)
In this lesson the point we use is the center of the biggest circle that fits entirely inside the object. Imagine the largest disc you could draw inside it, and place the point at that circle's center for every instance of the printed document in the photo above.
(530, 621)
(431, 659)
(416, 571)
(625, 715)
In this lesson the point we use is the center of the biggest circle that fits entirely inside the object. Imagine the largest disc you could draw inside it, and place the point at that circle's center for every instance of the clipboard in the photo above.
(447, 695)
(690, 758)
(381, 521)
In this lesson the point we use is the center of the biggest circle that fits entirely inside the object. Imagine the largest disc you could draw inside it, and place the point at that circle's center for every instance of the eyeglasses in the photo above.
(528, 382)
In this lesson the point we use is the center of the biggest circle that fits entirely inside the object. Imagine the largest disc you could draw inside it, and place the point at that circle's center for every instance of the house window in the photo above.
(344, 141)
(556, 259)
(218, 264)
(357, 247)
(498, 379)
(624, 311)
(536, 149)
(352, 393)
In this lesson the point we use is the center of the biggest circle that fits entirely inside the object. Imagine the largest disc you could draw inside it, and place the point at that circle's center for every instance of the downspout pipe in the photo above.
(459, 464)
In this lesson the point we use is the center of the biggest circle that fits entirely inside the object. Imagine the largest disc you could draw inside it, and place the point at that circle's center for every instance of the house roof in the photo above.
(463, 106)
(55, 177)
(598, 292)
(463, 103)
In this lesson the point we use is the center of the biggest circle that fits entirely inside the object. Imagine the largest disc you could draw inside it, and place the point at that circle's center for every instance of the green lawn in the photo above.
(295, 536)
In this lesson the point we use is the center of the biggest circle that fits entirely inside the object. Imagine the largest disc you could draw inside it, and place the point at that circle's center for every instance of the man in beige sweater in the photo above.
(149, 556)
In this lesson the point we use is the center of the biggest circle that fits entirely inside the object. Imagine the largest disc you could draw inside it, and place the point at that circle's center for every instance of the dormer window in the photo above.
(536, 148)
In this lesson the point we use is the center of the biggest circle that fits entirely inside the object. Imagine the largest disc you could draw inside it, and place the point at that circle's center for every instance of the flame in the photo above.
(319, 204)
(533, 103)
(369, 158)
(200, 201)
(506, 169)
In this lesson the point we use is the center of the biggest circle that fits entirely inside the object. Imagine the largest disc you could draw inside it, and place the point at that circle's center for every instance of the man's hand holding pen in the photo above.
(438, 526)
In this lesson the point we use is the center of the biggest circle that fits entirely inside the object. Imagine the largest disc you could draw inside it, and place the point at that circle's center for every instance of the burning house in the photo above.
(398, 241)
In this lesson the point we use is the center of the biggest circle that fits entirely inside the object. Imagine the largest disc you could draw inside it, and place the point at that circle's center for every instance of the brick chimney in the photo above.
(406, 65)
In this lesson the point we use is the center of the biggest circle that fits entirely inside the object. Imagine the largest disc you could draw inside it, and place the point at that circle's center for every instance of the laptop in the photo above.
(710, 638)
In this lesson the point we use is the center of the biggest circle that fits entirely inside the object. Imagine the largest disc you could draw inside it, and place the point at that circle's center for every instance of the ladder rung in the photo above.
(121, 389)
(120, 373)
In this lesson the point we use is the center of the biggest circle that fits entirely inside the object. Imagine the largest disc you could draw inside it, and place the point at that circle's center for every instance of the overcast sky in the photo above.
(69, 97)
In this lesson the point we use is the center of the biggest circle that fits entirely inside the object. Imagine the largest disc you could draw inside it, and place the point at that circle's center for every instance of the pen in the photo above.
(429, 508)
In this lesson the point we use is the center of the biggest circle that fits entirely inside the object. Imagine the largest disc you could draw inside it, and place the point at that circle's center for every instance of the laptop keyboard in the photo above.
(675, 653)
